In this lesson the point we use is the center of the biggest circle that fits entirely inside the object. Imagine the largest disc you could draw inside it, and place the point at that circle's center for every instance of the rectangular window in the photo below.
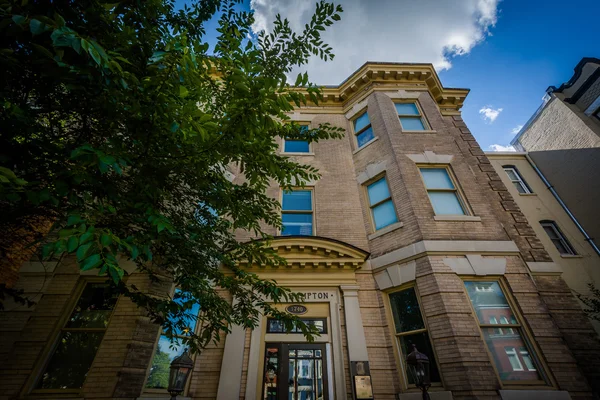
(380, 201)
(516, 179)
(557, 238)
(488, 299)
(79, 339)
(295, 145)
(276, 326)
(166, 351)
(410, 329)
(410, 117)
(363, 130)
(297, 213)
(442, 192)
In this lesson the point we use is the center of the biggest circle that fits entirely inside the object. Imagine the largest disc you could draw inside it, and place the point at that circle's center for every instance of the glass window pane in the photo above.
(488, 300)
(303, 128)
(446, 203)
(296, 146)
(366, 136)
(275, 326)
(297, 200)
(511, 174)
(520, 187)
(297, 224)
(71, 361)
(527, 359)
(421, 340)
(406, 312)
(506, 358)
(161, 363)
(378, 191)
(407, 109)
(562, 249)
(361, 122)
(94, 307)
(436, 178)
(551, 232)
(191, 314)
(384, 215)
(412, 124)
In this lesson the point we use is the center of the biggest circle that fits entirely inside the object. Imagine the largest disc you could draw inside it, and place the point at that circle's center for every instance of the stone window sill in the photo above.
(527, 194)
(424, 131)
(457, 218)
(297, 154)
(387, 229)
(376, 138)
(571, 256)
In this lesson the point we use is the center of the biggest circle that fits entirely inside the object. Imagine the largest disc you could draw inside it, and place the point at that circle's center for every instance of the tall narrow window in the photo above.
(166, 350)
(296, 145)
(380, 201)
(442, 192)
(363, 130)
(508, 347)
(79, 339)
(410, 329)
(297, 213)
(558, 239)
(516, 179)
(410, 117)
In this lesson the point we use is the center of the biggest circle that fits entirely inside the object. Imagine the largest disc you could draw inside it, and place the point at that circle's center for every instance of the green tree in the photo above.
(117, 126)
(160, 370)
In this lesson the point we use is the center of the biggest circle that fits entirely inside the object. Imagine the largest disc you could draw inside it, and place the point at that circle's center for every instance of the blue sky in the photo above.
(506, 51)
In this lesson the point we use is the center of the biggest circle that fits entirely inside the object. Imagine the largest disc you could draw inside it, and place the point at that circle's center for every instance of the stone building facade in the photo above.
(409, 237)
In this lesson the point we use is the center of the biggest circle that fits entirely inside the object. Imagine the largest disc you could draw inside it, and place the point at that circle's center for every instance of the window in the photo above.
(410, 117)
(276, 326)
(297, 213)
(380, 201)
(597, 113)
(442, 192)
(516, 179)
(295, 145)
(166, 350)
(508, 346)
(363, 130)
(79, 339)
(410, 329)
(557, 238)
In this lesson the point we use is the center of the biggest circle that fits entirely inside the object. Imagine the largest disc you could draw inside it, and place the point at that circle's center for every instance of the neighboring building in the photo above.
(563, 139)
(409, 237)
(573, 255)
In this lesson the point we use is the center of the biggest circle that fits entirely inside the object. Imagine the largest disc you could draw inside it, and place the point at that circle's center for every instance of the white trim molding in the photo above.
(474, 264)
(396, 275)
(544, 267)
(371, 172)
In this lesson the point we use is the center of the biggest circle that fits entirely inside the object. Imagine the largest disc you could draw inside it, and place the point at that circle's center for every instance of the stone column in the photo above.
(357, 344)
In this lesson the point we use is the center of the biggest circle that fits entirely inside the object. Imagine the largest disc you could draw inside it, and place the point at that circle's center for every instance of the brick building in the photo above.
(409, 237)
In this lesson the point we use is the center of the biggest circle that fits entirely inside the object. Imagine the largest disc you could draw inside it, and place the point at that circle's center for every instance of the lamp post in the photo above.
(181, 367)
(418, 367)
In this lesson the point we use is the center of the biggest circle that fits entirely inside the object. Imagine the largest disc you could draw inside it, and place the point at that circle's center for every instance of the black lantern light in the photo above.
(418, 368)
(181, 367)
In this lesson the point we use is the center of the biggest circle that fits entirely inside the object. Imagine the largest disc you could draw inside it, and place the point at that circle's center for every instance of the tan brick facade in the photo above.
(355, 269)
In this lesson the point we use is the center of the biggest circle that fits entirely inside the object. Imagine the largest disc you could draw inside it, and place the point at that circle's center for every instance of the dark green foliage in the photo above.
(117, 125)
(592, 302)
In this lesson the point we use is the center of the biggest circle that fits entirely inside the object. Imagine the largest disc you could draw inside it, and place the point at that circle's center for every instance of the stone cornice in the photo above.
(375, 76)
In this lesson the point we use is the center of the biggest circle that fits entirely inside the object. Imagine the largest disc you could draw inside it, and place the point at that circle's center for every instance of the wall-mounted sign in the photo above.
(296, 309)
(364, 390)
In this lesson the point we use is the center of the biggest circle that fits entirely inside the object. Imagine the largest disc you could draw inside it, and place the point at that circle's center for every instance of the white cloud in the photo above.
(430, 31)
(516, 129)
(489, 113)
(499, 147)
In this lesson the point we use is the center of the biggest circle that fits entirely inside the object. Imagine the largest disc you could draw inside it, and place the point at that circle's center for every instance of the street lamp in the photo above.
(181, 367)
(418, 367)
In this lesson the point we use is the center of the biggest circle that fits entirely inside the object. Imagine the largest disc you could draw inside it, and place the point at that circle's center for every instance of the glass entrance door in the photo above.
(295, 371)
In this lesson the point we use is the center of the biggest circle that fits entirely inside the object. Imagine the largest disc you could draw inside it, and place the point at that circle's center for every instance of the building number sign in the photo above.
(296, 309)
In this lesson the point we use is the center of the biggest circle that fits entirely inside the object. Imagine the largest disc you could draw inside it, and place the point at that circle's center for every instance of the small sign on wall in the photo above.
(296, 309)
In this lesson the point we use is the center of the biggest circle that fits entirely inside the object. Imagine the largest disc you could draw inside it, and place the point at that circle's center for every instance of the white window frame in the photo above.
(520, 181)
(511, 351)
(563, 240)
(311, 211)
(302, 153)
(455, 189)
(420, 116)
(353, 121)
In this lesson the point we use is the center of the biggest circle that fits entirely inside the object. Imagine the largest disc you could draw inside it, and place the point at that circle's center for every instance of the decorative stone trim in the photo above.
(296, 182)
(544, 267)
(371, 172)
(534, 394)
(429, 157)
(403, 94)
(358, 107)
(387, 229)
(396, 275)
(474, 264)
(444, 246)
(457, 218)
